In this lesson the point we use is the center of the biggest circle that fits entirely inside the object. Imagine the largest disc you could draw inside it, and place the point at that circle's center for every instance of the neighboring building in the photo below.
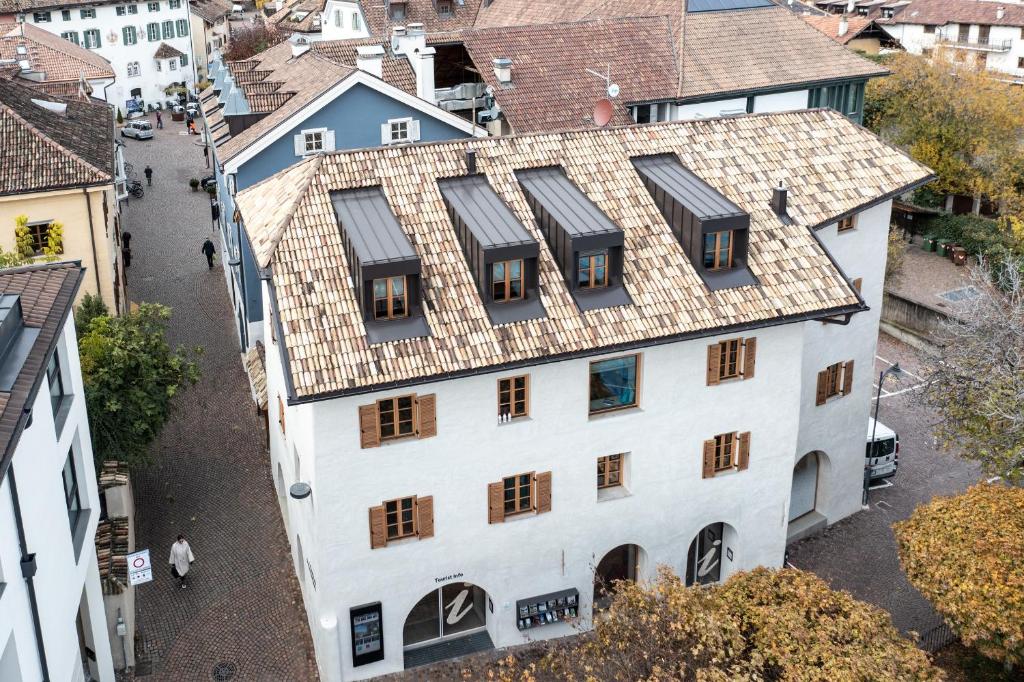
(211, 31)
(59, 163)
(134, 37)
(291, 102)
(52, 624)
(856, 32)
(980, 33)
(54, 65)
(502, 365)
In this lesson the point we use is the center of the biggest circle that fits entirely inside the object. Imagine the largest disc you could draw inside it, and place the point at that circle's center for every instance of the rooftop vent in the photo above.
(779, 196)
(56, 107)
(1000, 12)
(503, 70)
(15, 340)
(470, 161)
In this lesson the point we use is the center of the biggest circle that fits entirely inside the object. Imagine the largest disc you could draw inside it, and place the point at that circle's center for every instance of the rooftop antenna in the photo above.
(610, 88)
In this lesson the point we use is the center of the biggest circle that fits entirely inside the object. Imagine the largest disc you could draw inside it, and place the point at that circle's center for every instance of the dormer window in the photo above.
(396, 10)
(500, 253)
(384, 267)
(444, 8)
(711, 228)
(585, 242)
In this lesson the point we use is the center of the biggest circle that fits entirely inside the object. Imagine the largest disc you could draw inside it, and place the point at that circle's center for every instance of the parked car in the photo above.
(883, 455)
(140, 130)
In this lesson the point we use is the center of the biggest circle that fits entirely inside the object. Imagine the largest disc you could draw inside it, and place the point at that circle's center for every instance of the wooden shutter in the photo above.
(743, 458)
(280, 414)
(385, 133)
(425, 409)
(378, 528)
(822, 393)
(414, 130)
(749, 353)
(714, 358)
(369, 436)
(495, 502)
(328, 140)
(857, 283)
(300, 145)
(709, 458)
(847, 377)
(425, 516)
(543, 490)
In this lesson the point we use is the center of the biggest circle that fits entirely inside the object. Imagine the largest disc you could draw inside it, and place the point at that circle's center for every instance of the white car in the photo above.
(883, 455)
(140, 130)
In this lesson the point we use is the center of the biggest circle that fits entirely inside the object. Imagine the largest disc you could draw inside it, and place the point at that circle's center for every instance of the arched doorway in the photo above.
(454, 610)
(710, 556)
(804, 495)
(622, 563)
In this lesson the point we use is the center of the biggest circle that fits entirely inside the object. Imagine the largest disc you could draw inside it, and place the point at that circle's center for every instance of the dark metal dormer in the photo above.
(15, 340)
(385, 267)
(585, 242)
(713, 230)
(501, 254)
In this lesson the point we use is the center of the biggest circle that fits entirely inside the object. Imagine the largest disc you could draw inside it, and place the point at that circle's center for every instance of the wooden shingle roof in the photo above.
(830, 165)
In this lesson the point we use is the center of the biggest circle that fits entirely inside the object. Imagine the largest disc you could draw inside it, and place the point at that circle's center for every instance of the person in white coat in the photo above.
(181, 558)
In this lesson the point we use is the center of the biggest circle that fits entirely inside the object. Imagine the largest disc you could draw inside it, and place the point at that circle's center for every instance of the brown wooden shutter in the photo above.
(857, 283)
(369, 435)
(714, 358)
(822, 394)
(425, 516)
(749, 353)
(280, 414)
(378, 528)
(426, 408)
(543, 481)
(848, 377)
(709, 458)
(495, 502)
(743, 458)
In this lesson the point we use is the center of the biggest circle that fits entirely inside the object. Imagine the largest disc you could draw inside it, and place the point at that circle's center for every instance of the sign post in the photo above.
(140, 570)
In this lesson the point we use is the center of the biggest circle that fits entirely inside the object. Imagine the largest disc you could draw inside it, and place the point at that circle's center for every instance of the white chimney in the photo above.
(415, 29)
(851, 6)
(1000, 12)
(503, 70)
(397, 35)
(299, 50)
(425, 74)
(844, 26)
(408, 41)
(370, 58)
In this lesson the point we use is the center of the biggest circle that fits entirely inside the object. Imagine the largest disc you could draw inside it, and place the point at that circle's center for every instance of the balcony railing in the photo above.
(955, 41)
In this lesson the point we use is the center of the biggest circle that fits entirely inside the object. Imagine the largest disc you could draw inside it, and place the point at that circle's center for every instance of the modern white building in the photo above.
(52, 624)
(148, 44)
(502, 370)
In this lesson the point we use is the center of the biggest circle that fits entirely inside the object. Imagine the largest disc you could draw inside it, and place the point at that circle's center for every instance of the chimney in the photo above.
(425, 74)
(299, 50)
(1000, 12)
(370, 58)
(844, 26)
(470, 161)
(779, 196)
(397, 36)
(415, 29)
(503, 70)
(851, 6)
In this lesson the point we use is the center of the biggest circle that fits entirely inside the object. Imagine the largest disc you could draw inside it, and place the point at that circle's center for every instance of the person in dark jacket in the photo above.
(208, 251)
(149, 175)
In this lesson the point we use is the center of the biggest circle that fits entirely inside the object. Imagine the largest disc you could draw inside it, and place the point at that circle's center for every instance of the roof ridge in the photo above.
(56, 45)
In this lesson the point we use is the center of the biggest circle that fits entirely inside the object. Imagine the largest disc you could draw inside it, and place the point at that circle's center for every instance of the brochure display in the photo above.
(367, 634)
(554, 607)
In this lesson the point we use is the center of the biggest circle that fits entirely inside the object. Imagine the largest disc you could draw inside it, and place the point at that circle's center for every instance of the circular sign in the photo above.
(138, 562)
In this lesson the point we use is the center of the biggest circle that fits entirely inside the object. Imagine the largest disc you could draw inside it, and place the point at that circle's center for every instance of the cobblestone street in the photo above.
(211, 480)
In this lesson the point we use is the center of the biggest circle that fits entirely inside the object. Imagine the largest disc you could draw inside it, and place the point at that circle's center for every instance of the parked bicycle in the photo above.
(135, 188)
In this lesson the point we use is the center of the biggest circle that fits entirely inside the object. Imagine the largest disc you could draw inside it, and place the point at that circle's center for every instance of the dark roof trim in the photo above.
(7, 455)
(591, 352)
(874, 202)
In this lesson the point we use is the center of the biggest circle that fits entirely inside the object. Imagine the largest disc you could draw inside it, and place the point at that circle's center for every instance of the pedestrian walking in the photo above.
(208, 251)
(181, 560)
(192, 127)
(149, 175)
(159, 120)
(126, 239)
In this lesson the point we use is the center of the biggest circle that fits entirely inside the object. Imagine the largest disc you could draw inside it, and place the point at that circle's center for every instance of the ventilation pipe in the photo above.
(779, 199)
(1000, 12)
(470, 161)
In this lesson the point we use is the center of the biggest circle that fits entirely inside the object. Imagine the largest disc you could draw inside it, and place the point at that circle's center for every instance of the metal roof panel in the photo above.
(703, 200)
(371, 227)
(491, 220)
(569, 206)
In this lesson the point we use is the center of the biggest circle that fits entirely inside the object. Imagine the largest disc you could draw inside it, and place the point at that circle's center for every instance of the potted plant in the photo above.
(194, 184)
(211, 189)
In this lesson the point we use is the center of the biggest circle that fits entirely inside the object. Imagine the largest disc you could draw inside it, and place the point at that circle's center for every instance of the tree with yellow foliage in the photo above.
(24, 253)
(966, 555)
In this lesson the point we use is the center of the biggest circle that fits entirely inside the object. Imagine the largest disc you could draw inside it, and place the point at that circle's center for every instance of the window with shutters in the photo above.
(174, 4)
(399, 130)
(280, 414)
(89, 13)
(614, 384)
(834, 381)
(153, 6)
(129, 35)
(406, 517)
(153, 34)
(70, 36)
(133, 9)
(609, 471)
(182, 27)
(183, 60)
(395, 418)
(846, 224)
(726, 452)
(91, 38)
(168, 29)
(731, 359)
(42, 17)
(514, 397)
(518, 493)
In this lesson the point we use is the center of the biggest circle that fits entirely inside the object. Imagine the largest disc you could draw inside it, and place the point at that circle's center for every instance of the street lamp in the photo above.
(895, 371)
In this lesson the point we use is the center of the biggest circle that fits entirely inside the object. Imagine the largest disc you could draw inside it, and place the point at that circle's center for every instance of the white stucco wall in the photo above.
(61, 579)
(915, 40)
(343, 20)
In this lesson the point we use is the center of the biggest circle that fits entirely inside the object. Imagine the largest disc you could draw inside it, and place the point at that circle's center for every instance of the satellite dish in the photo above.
(613, 90)
(603, 111)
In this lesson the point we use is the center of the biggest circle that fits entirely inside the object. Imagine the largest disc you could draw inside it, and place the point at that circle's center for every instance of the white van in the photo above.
(883, 455)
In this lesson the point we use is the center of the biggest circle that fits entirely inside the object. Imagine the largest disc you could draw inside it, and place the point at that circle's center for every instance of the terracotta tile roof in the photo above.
(262, 103)
(42, 149)
(424, 12)
(831, 166)
(829, 25)
(256, 366)
(54, 5)
(395, 71)
(522, 12)
(942, 12)
(285, 18)
(210, 11)
(58, 59)
(47, 292)
(551, 88)
(165, 51)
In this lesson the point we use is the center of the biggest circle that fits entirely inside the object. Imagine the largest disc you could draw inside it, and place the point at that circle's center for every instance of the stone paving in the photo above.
(212, 480)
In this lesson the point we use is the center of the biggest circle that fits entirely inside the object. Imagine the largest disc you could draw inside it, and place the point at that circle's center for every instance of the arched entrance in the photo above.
(452, 611)
(710, 556)
(622, 563)
(805, 486)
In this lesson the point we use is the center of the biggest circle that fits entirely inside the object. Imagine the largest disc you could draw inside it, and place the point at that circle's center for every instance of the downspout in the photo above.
(28, 571)
(92, 240)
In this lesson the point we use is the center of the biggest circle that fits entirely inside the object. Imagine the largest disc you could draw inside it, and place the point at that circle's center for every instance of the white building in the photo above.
(211, 31)
(148, 44)
(52, 624)
(503, 371)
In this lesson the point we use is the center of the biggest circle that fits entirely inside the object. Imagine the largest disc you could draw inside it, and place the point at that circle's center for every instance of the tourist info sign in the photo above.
(139, 569)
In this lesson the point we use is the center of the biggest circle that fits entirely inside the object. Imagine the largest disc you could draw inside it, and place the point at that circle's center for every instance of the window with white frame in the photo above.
(400, 130)
(159, 67)
(134, 70)
(65, 15)
(182, 27)
(174, 4)
(88, 13)
(133, 9)
(153, 6)
(130, 35)
(91, 37)
(356, 22)
(121, 10)
(172, 64)
(313, 141)
(40, 17)
(70, 36)
(337, 18)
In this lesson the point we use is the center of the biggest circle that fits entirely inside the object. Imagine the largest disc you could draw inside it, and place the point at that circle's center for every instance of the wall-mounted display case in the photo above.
(554, 607)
